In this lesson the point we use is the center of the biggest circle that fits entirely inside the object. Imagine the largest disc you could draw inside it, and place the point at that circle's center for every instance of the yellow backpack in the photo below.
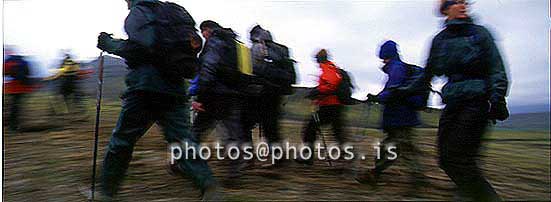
(244, 62)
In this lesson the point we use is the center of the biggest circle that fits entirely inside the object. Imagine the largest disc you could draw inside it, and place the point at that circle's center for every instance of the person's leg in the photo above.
(270, 116)
(174, 121)
(459, 140)
(411, 153)
(309, 137)
(234, 136)
(14, 110)
(251, 116)
(134, 120)
(335, 117)
(385, 159)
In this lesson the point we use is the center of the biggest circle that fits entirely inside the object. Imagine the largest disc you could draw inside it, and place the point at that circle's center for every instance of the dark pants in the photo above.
(459, 140)
(70, 91)
(228, 111)
(266, 111)
(327, 115)
(402, 139)
(140, 110)
(16, 100)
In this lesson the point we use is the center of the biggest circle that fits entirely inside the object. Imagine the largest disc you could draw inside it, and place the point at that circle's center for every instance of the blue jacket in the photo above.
(396, 112)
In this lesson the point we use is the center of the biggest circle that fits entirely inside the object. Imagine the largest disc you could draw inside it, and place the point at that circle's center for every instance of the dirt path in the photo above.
(50, 165)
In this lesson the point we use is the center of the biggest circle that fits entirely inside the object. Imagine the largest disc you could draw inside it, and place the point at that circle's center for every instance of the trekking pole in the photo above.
(96, 129)
(367, 116)
(316, 118)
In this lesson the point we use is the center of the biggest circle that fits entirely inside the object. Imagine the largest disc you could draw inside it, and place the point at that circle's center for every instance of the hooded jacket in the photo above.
(143, 75)
(218, 73)
(397, 113)
(467, 55)
(327, 84)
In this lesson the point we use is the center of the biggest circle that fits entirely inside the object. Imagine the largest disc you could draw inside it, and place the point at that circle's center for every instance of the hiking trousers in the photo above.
(460, 131)
(402, 138)
(332, 115)
(140, 110)
(266, 111)
(228, 112)
(14, 109)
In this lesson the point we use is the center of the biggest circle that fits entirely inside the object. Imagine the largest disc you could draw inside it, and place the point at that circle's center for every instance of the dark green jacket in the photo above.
(466, 54)
(135, 50)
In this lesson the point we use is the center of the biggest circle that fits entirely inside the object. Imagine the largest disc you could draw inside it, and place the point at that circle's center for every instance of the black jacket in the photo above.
(218, 73)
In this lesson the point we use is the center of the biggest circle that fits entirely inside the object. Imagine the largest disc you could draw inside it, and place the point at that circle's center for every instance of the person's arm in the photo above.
(497, 80)
(210, 62)
(422, 84)
(397, 73)
(141, 36)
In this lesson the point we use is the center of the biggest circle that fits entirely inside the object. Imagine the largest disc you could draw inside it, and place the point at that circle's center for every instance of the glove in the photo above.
(372, 98)
(105, 42)
(498, 111)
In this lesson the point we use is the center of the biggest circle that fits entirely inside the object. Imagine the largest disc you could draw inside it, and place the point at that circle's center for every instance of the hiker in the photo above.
(17, 84)
(218, 90)
(68, 75)
(330, 109)
(159, 58)
(271, 62)
(399, 116)
(474, 96)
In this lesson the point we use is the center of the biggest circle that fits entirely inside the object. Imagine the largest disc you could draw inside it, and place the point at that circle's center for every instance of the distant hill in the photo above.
(114, 72)
(297, 108)
(524, 109)
(527, 121)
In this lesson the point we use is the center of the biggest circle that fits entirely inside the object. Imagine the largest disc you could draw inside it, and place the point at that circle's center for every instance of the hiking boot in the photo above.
(369, 177)
(212, 193)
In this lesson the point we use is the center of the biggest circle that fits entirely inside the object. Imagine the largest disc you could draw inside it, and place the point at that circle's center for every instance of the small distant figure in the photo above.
(17, 84)
(68, 76)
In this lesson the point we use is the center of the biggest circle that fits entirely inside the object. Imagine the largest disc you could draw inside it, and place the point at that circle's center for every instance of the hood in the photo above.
(389, 50)
(258, 34)
(136, 2)
(224, 33)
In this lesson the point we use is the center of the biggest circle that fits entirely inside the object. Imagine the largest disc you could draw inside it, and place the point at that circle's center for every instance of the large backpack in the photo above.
(344, 89)
(282, 66)
(176, 40)
(419, 99)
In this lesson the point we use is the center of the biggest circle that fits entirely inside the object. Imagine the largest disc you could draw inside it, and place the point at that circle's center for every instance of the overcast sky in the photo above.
(351, 30)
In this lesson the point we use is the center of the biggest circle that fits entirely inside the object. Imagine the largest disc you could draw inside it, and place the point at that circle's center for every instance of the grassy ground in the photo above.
(53, 159)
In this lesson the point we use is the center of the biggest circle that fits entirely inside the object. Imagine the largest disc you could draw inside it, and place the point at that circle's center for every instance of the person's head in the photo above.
(454, 9)
(322, 56)
(258, 34)
(207, 27)
(388, 51)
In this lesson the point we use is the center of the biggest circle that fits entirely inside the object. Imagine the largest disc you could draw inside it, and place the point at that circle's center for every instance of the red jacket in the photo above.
(327, 84)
